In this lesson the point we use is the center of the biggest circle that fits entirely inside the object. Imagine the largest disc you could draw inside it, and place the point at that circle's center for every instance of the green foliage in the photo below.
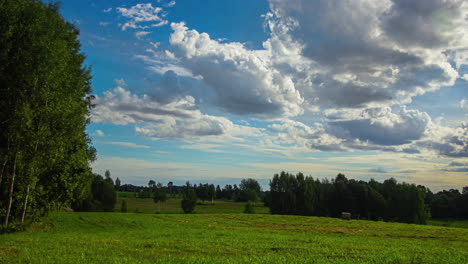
(230, 238)
(159, 195)
(44, 109)
(249, 208)
(249, 195)
(392, 201)
(189, 199)
(102, 196)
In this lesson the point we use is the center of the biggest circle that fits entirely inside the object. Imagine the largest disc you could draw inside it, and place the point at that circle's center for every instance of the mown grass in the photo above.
(229, 238)
(449, 223)
(172, 206)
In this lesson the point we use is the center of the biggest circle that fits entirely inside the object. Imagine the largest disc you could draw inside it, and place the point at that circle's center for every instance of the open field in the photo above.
(172, 206)
(229, 238)
(449, 223)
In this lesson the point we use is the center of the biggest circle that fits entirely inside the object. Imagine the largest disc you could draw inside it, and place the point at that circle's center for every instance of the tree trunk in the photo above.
(3, 168)
(25, 204)
(12, 184)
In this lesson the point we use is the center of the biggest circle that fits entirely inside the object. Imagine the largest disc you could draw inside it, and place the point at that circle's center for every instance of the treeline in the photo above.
(449, 204)
(101, 196)
(247, 190)
(45, 103)
(389, 201)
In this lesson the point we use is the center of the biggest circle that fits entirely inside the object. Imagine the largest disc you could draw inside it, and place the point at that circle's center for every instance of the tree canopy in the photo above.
(44, 109)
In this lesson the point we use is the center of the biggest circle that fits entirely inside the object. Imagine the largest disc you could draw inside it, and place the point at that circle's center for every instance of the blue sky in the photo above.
(216, 91)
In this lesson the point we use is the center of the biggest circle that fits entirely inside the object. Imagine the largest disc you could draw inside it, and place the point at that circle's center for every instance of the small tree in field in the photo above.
(159, 196)
(189, 199)
(123, 206)
(249, 208)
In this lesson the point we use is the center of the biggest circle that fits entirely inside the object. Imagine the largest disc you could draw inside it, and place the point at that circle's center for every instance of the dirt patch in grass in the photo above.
(9, 251)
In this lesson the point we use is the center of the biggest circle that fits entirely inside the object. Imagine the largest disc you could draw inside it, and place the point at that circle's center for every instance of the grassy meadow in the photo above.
(172, 206)
(229, 238)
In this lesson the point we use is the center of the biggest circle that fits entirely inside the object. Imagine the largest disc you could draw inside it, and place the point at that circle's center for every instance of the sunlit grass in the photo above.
(229, 238)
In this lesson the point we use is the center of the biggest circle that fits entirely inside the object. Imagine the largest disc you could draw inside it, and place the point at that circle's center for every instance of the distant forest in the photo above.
(303, 195)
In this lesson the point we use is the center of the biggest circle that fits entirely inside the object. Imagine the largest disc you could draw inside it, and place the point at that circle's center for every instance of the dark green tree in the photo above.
(123, 206)
(117, 184)
(159, 195)
(189, 199)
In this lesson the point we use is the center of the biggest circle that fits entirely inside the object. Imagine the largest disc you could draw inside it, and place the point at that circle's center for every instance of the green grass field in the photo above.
(229, 238)
(449, 223)
(172, 206)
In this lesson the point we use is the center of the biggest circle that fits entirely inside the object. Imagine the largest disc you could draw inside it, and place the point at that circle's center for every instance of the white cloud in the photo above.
(141, 34)
(365, 55)
(204, 147)
(104, 24)
(162, 62)
(176, 118)
(126, 144)
(142, 16)
(107, 10)
(170, 4)
(464, 104)
(99, 133)
(120, 82)
(244, 81)
(155, 44)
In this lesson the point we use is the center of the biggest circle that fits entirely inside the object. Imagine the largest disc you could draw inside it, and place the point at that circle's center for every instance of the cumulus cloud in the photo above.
(244, 81)
(445, 141)
(141, 34)
(354, 63)
(382, 126)
(142, 16)
(368, 53)
(161, 62)
(178, 118)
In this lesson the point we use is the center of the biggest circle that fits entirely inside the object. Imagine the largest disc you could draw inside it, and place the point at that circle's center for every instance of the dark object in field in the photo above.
(345, 216)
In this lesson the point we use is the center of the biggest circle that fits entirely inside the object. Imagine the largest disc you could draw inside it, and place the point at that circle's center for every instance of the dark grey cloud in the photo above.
(383, 128)
(428, 23)
(463, 169)
(458, 164)
(378, 170)
(368, 52)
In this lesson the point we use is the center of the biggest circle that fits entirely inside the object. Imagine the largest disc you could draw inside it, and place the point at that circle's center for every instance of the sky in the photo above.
(216, 91)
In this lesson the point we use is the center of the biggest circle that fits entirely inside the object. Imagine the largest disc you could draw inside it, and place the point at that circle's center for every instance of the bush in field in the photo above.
(189, 199)
(249, 208)
(123, 206)
(159, 196)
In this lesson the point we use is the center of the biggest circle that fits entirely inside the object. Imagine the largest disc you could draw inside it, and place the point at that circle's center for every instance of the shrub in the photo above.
(249, 208)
